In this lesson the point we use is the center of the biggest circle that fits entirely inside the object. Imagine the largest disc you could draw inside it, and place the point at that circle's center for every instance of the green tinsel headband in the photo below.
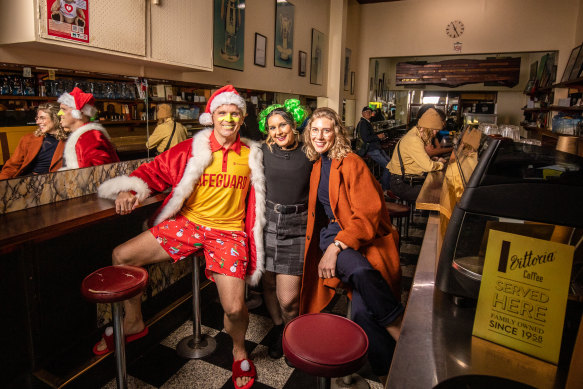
(291, 106)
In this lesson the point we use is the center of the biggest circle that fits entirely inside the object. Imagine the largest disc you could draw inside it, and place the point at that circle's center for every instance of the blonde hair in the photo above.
(52, 109)
(426, 134)
(341, 146)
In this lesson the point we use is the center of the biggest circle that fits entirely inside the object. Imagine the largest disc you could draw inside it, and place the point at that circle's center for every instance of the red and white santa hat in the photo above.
(83, 103)
(226, 95)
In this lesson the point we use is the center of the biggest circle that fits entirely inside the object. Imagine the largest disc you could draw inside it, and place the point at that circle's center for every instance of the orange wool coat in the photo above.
(357, 201)
(26, 151)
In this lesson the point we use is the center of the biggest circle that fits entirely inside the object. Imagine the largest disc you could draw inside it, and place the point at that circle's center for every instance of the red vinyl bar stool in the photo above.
(114, 284)
(196, 345)
(325, 345)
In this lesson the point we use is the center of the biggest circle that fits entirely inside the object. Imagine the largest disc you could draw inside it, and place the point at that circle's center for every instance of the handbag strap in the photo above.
(401, 161)
(171, 136)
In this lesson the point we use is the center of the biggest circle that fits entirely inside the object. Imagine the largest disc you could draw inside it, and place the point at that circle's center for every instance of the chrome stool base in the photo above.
(188, 348)
(353, 381)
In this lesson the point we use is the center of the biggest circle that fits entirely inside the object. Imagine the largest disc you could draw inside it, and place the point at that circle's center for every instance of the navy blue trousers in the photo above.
(373, 304)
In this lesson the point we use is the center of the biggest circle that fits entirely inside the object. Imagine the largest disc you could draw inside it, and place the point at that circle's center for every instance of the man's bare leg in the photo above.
(139, 251)
(236, 319)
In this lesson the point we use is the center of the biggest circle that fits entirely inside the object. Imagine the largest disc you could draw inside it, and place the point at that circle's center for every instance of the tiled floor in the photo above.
(160, 367)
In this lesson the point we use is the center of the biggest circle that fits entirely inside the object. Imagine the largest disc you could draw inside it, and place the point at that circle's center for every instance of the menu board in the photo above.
(523, 294)
(68, 19)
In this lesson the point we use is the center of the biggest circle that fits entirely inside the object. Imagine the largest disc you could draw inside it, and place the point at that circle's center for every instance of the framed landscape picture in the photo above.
(284, 34)
(316, 64)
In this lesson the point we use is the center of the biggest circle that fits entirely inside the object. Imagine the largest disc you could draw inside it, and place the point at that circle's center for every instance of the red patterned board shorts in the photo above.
(225, 251)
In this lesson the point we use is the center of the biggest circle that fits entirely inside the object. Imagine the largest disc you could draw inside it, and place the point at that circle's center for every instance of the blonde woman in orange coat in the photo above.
(350, 240)
(41, 151)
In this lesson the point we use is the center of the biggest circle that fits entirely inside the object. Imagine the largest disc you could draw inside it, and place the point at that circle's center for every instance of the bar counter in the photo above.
(436, 341)
(38, 224)
(428, 198)
(45, 252)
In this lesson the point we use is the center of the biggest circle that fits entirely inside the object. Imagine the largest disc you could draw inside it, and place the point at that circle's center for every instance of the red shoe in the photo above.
(244, 368)
(109, 342)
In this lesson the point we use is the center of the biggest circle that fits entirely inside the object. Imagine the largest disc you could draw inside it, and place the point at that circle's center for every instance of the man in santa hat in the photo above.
(217, 202)
(89, 143)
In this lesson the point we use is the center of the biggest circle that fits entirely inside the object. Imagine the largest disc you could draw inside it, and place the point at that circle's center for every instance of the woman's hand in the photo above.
(126, 202)
(327, 265)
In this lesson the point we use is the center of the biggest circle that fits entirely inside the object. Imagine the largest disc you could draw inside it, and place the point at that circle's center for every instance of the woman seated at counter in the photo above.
(42, 151)
(350, 241)
(410, 156)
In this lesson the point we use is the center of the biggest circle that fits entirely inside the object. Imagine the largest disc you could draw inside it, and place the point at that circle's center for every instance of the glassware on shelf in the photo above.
(510, 131)
(488, 128)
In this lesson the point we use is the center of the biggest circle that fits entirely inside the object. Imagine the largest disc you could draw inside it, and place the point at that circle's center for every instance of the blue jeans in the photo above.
(380, 157)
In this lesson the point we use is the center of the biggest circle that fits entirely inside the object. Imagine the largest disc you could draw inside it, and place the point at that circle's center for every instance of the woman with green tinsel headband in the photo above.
(287, 173)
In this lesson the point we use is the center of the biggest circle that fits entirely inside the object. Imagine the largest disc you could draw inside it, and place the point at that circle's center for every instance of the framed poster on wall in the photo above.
(284, 34)
(316, 65)
(260, 47)
(578, 64)
(229, 34)
(303, 57)
(68, 19)
(570, 63)
(347, 55)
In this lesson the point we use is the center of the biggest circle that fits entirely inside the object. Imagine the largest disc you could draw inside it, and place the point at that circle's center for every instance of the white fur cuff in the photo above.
(111, 188)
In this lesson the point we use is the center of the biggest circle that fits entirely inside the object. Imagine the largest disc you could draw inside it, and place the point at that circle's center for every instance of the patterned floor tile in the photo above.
(156, 366)
(198, 374)
(133, 383)
(186, 330)
(272, 372)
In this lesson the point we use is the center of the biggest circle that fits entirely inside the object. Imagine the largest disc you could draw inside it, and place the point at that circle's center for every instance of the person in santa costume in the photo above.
(89, 143)
(217, 202)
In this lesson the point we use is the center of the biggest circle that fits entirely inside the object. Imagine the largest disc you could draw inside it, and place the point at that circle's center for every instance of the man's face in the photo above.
(227, 120)
(367, 114)
(67, 119)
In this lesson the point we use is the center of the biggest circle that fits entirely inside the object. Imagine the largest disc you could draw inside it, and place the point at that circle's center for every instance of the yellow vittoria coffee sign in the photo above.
(523, 294)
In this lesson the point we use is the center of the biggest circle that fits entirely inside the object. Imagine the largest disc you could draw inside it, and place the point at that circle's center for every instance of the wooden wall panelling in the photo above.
(452, 73)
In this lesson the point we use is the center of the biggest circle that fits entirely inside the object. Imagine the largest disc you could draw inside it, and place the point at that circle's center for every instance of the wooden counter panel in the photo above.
(431, 191)
(38, 224)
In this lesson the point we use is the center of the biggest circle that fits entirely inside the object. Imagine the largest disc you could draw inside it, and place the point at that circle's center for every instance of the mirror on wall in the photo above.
(506, 97)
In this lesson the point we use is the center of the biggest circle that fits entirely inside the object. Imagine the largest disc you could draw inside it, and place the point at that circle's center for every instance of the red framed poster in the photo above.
(68, 19)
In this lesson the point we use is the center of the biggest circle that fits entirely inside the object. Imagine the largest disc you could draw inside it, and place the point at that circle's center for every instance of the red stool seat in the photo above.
(397, 210)
(325, 345)
(114, 283)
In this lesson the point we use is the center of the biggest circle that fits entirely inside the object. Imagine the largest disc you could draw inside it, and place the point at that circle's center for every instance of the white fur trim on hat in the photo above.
(228, 98)
(68, 100)
(205, 119)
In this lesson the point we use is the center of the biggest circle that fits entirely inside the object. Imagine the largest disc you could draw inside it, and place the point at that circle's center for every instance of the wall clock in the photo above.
(454, 29)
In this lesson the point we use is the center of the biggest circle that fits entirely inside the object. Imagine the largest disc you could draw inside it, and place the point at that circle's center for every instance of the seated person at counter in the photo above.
(410, 156)
(372, 142)
(350, 240)
(42, 151)
(168, 132)
(211, 176)
(434, 148)
(89, 143)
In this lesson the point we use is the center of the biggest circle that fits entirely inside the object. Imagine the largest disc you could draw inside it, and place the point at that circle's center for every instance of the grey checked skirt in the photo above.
(284, 236)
